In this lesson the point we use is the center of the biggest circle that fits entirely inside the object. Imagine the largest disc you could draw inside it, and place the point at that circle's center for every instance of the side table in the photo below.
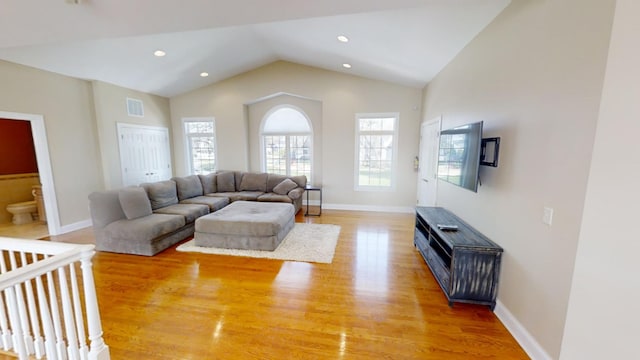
(308, 189)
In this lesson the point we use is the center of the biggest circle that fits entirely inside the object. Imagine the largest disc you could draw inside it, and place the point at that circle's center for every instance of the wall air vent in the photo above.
(135, 107)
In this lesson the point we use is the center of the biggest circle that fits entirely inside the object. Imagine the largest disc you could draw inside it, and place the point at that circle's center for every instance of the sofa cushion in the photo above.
(239, 195)
(161, 193)
(254, 182)
(105, 208)
(213, 202)
(272, 197)
(208, 183)
(284, 187)
(188, 187)
(143, 229)
(190, 211)
(226, 182)
(134, 202)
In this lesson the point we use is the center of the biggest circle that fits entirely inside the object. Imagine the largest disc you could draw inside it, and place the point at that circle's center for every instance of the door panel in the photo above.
(144, 154)
(427, 174)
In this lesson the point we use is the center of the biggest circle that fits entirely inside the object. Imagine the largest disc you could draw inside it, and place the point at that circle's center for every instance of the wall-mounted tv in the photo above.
(459, 155)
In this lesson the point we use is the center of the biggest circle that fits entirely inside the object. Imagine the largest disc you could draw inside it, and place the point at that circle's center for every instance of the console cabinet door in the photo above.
(473, 275)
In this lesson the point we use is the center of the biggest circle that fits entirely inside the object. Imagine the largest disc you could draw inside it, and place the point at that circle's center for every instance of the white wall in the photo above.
(342, 96)
(603, 317)
(66, 105)
(534, 75)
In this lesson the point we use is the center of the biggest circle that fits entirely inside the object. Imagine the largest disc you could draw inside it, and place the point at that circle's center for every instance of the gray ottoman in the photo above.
(245, 225)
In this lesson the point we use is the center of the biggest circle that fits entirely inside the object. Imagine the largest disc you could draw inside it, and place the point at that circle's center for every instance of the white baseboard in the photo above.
(75, 226)
(375, 208)
(520, 333)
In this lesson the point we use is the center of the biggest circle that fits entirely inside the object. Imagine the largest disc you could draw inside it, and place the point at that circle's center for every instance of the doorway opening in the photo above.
(45, 172)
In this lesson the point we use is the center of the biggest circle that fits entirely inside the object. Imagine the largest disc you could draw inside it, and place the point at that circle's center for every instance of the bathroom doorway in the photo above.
(44, 172)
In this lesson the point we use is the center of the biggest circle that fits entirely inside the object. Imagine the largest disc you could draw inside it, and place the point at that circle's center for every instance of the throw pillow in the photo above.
(284, 187)
(226, 182)
(134, 202)
(273, 180)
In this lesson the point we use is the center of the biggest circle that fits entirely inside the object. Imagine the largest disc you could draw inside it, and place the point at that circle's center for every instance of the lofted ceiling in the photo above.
(402, 41)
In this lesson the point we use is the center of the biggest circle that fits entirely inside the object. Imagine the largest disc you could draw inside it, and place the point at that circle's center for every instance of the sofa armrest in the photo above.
(296, 193)
(105, 208)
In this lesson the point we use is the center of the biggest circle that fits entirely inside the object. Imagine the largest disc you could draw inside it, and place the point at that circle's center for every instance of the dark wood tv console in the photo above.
(465, 263)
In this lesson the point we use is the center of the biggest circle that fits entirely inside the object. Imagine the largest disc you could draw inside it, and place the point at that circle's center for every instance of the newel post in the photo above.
(98, 349)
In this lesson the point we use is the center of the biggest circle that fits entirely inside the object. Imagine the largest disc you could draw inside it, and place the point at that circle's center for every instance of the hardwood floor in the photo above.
(377, 300)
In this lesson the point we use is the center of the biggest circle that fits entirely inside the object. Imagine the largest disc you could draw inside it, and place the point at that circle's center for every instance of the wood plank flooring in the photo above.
(377, 300)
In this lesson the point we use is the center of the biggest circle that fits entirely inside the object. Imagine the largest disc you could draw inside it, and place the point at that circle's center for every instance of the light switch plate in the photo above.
(547, 216)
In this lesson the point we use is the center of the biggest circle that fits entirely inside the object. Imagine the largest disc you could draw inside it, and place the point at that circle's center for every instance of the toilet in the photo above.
(22, 212)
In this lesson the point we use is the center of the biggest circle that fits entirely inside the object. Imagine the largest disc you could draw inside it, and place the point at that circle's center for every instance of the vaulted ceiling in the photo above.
(401, 41)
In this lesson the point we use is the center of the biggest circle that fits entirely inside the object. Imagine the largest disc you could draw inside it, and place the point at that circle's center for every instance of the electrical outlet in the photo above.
(547, 216)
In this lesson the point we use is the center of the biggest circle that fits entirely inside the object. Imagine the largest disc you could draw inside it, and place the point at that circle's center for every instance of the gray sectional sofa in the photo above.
(149, 218)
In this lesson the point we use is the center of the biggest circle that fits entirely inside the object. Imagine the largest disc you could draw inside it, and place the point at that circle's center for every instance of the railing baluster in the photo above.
(55, 312)
(69, 324)
(22, 310)
(77, 307)
(14, 318)
(38, 344)
(47, 324)
(6, 331)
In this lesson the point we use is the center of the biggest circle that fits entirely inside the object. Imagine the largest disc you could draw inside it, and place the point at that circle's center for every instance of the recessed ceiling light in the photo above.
(346, 66)
(159, 53)
(204, 74)
(343, 39)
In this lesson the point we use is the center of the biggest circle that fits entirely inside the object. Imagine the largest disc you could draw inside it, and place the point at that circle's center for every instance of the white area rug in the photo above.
(305, 242)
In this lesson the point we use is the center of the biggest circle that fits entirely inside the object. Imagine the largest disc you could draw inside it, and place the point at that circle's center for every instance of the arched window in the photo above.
(286, 142)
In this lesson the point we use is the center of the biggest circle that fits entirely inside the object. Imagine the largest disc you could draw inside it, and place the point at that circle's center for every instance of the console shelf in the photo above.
(465, 263)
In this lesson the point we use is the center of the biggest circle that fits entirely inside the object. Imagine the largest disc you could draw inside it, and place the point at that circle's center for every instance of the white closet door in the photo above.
(144, 153)
(428, 174)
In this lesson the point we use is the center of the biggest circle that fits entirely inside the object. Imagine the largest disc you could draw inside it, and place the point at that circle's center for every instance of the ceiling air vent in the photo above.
(135, 108)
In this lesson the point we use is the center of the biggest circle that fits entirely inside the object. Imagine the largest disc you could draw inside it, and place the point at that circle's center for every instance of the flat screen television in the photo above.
(459, 155)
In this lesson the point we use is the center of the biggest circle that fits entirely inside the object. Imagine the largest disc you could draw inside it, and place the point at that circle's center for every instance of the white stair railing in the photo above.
(49, 309)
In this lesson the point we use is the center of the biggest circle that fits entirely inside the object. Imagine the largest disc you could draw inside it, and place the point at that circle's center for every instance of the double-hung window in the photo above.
(286, 142)
(200, 140)
(376, 148)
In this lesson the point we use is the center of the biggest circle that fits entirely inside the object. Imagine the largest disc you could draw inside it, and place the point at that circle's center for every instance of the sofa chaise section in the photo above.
(123, 222)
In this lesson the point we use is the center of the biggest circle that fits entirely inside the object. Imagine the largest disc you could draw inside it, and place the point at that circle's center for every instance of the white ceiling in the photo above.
(402, 41)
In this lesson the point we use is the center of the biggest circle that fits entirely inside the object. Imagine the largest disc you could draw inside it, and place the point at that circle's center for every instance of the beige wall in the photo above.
(602, 321)
(342, 96)
(257, 111)
(534, 76)
(66, 105)
(110, 109)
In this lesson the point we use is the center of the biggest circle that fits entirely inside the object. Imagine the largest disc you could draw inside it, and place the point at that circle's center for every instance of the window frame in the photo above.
(394, 149)
(187, 142)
